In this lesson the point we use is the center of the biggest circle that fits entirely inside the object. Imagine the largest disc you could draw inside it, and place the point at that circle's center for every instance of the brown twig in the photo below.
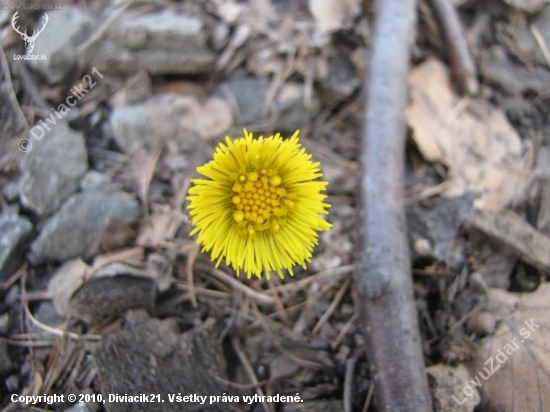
(460, 59)
(383, 282)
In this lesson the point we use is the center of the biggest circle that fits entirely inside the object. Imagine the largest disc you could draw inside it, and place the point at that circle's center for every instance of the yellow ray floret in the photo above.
(259, 205)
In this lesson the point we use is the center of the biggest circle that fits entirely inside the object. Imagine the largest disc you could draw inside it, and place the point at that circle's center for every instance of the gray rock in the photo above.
(10, 191)
(76, 230)
(4, 323)
(158, 358)
(93, 179)
(12, 383)
(543, 161)
(446, 381)
(342, 80)
(50, 172)
(159, 42)
(131, 128)
(288, 112)
(111, 296)
(65, 31)
(163, 30)
(164, 116)
(515, 79)
(14, 231)
(4, 16)
(249, 93)
(5, 360)
(439, 225)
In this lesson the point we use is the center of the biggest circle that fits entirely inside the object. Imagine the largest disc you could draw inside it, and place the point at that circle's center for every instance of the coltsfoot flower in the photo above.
(259, 206)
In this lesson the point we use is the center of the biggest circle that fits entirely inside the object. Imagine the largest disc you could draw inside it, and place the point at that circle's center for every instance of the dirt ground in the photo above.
(103, 291)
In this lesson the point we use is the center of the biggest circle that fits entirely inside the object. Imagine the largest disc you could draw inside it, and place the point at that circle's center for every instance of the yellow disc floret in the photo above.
(260, 198)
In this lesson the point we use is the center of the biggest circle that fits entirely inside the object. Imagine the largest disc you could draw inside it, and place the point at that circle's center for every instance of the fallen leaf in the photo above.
(159, 227)
(333, 15)
(65, 282)
(475, 141)
(512, 366)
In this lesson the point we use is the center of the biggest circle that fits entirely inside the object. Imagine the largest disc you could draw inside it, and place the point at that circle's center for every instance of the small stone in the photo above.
(164, 116)
(4, 16)
(130, 127)
(12, 383)
(111, 296)
(51, 171)
(65, 31)
(248, 93)
(543, 160)
(159, 43)
(290, 108)
(94, 180)
(76, 230)
(482, 323)
(13, 296)
(422, 247)
(79, 407)
(4, 323)
(14, 232)
(528, 47)
(342, 80)
(446, 381)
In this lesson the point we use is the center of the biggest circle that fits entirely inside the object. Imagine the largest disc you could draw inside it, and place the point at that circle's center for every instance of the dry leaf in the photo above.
(65, 282)
(159, 227)
(530, 6)
(333, 15)
(512, 366)
(481, 149)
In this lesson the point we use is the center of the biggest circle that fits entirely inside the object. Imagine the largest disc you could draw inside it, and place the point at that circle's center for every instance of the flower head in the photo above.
(259, 206)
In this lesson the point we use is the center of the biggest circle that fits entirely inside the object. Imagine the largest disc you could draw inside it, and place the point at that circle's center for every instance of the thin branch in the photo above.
(460, 59)
(261, 298)
(383, 281)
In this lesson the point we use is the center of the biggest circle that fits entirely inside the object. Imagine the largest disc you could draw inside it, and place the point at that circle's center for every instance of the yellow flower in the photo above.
(259, 207)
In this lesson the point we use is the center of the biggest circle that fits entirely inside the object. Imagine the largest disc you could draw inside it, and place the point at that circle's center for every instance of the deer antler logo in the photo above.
(29, 40)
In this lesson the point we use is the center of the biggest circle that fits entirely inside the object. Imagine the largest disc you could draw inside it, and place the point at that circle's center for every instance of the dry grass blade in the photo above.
(148, 176)
(333, 305)
(258, 297)
(250, 371)
(191, 257)
(541, 43)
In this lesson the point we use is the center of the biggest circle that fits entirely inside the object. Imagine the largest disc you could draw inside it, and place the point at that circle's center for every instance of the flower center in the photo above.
(260, 202)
